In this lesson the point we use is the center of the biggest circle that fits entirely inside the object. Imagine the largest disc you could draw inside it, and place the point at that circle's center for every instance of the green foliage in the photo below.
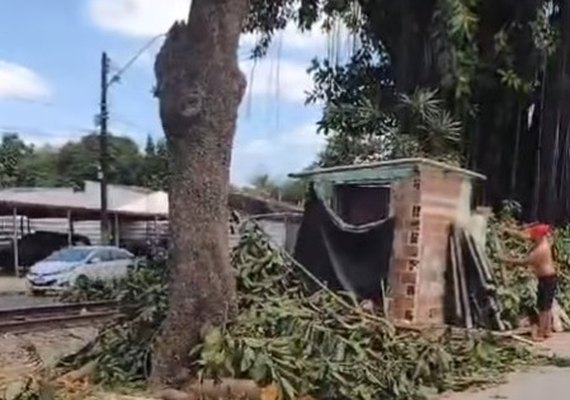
(309, 344)
(418, 125)
(23, 165)
(490, 61)
(306, 342)
(122, 350)
(344, 149)
(86, 289)
(544, 34)
(13, 153)
(517, 289)
(290, 190)
(79, 161)
(155, 170)
(455, 27)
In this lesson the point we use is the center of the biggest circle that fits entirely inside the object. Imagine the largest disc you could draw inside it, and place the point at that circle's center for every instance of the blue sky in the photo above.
(50, 71)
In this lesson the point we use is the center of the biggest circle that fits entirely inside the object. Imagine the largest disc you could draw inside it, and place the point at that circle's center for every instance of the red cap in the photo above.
(538, 231)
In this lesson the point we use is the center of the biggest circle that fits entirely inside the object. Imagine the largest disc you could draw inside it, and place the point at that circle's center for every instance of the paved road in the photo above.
(12, 301)
(551, 383)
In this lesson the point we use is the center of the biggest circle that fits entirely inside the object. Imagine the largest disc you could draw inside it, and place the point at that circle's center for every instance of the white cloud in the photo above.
(277, 156)
(293, 38)
(147, 18)
(281, 79)
(137, 18)
(19, 82)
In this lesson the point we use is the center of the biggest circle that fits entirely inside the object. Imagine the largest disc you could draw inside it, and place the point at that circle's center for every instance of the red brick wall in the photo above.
(424, 207)
(404, 269)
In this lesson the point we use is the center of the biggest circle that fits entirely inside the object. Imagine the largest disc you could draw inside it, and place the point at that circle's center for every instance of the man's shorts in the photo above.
(546, 290)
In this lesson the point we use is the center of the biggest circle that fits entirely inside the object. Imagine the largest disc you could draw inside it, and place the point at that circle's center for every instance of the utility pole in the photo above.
(103, 148)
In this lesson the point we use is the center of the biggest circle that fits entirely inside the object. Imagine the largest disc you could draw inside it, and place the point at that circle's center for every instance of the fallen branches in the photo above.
(319, 344)
(309, 343)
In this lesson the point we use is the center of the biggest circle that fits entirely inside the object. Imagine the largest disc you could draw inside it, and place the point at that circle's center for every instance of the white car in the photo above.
(61, 270)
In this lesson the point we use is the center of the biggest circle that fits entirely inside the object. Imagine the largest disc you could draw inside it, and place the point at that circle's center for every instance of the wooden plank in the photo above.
(455, 278)
(462, 280)
(482, 258)
(477, 262)
(486, 279)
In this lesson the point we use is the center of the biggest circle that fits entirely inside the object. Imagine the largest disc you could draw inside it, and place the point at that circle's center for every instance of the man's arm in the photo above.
(529, 260)
(513, 261)
(517, 233)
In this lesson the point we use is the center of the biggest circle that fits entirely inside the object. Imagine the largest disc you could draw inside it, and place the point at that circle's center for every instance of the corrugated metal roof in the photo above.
(387, 164)
(123, 200)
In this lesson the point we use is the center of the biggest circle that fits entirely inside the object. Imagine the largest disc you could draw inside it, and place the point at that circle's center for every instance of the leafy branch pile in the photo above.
(324, 345)
(517, 285)
(316, 343)
(122, 350)
(86, 289)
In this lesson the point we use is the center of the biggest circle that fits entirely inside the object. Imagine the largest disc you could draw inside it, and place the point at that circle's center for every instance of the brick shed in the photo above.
(424, 197)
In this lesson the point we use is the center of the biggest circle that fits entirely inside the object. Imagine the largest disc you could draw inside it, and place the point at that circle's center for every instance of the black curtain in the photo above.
(344, 259)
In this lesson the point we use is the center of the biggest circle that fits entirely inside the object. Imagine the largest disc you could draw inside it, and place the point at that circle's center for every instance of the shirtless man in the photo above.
(540, 260)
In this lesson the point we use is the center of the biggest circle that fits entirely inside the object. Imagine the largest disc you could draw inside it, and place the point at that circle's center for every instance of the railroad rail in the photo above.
(25, 319)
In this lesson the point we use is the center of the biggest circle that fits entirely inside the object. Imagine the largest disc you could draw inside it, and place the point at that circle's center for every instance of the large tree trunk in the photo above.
(200, 87)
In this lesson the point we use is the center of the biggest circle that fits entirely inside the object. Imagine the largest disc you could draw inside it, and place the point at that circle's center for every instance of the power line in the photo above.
(103, 134)
(117, 76)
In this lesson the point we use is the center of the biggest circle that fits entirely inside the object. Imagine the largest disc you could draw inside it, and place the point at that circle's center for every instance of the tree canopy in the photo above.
(290, 190)
(22, 164)
(479, 83)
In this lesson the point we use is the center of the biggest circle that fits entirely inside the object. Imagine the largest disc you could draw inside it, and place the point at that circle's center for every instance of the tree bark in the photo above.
(199, 87)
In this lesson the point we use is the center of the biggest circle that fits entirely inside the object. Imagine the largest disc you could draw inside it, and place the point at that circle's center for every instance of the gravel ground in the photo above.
(51, 345)
(12, 301)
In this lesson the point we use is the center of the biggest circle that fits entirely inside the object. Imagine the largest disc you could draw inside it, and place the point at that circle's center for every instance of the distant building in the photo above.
(136, 214)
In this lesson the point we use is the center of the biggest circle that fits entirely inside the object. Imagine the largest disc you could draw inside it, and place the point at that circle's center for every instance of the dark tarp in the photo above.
(344, 257)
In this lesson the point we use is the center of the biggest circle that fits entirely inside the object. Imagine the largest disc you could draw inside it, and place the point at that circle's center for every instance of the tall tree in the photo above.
(155, 173)
(289, 190)
(493, 63)
(79, 161)
(199, 87)
(13, 153)
(264, 185)
(150, 147)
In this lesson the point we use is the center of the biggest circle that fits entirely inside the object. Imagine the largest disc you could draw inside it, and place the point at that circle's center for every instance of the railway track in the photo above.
(26, 319)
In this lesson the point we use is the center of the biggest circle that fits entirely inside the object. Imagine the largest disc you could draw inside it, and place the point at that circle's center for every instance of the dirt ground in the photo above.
(55, 344)
(52, 345)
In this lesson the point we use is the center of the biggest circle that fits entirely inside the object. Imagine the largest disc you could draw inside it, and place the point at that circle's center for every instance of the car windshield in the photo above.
(69, 255)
